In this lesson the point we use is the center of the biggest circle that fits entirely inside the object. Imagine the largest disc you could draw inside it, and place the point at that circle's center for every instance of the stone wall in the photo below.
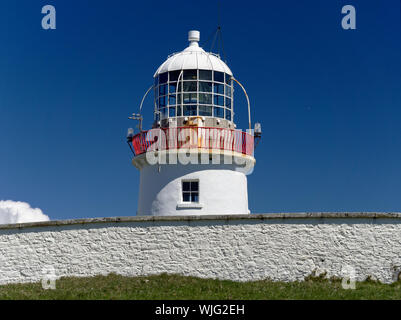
(284, 247)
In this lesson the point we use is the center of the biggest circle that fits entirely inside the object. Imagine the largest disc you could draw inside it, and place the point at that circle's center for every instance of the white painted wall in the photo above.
(224, 247)
(222, 190)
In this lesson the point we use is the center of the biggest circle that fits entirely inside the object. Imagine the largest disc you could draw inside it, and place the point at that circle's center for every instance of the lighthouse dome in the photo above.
(193, 57)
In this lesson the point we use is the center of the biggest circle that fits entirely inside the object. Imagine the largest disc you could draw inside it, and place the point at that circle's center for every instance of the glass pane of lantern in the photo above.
(190, 98)
(171, 112)
(219, 100)
(174, 75)
(228, 103)
(162, 89)
(171, 100)
(205, 75)
(163, 77)
(228, 91)
(190, 86)
(162, 102)
(190, 110)
(205, 111)
(172, 87)
(205, 86)
(205, 98)
(228, 114)
(218, 88)
(218, 112)
(218, 76)
(190, 74)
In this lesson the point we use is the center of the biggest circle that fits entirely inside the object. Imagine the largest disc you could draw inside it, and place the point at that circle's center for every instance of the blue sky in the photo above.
(329, 100)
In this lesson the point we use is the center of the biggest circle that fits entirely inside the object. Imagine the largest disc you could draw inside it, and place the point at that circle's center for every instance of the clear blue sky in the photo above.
(329, 100)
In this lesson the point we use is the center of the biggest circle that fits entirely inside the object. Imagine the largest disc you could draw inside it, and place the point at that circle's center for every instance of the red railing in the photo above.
(193, 138)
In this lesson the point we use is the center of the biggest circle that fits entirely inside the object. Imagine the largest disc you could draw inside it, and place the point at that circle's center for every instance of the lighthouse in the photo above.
(194, 160)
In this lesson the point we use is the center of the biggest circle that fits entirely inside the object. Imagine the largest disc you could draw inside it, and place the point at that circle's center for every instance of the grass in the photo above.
(171, 287)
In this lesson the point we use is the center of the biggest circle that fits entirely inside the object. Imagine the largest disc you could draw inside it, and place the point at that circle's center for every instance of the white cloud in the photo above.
(19, 212)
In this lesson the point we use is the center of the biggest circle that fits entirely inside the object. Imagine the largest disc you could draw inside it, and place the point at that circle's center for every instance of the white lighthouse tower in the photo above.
(193, 161)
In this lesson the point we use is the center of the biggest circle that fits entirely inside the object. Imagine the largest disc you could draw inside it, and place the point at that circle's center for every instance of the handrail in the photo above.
(143, 99)
(247, 99)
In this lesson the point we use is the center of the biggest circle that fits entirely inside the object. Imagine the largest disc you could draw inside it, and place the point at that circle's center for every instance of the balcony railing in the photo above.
(205, 138)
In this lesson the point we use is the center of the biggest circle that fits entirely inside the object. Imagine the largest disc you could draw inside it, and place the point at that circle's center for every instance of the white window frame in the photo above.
(189, 205)
(190, 192)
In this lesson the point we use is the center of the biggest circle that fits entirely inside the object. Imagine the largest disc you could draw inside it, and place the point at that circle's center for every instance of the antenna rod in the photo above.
(218, 14)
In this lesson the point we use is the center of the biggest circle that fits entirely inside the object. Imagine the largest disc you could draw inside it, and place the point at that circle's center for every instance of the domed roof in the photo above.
(193, 57)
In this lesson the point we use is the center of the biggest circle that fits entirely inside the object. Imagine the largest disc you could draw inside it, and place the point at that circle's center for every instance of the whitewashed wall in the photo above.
(278, 246)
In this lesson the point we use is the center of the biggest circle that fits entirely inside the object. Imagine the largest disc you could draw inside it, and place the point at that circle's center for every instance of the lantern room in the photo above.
(193, 83)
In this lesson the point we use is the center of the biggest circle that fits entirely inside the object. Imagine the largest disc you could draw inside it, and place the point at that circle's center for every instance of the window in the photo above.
(218, 88)
(171, 100)
(190, 110)
(190, 98)
(190, 86)
(205, 86)
(171, 112)
(174, 75)
(205, 98)
(179, 111)
(162, 90)
(205, 75)
(163, 77)
(190, 191)
(190, 74)
(218, 76)
(219, 100)
(218, 112)
(162, 102)
(228, 115)
(205, 111)
(228, 91)
(173, 87)
(228, 103)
